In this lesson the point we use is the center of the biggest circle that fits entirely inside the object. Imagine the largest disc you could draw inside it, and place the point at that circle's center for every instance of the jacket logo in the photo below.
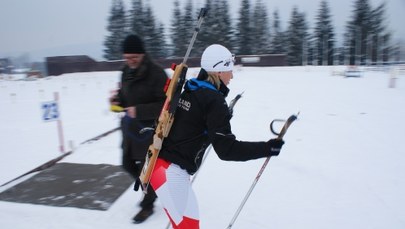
(184, 104)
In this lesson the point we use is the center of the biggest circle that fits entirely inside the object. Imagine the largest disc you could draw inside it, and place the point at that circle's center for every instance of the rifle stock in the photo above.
(165, 122)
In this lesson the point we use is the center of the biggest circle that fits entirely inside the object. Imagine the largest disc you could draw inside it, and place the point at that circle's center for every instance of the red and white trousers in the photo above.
(173, 187)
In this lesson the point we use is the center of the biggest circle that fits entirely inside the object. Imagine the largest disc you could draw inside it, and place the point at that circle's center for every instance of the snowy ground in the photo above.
(341, 166)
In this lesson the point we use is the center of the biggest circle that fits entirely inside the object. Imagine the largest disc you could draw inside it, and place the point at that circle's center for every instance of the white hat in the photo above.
(217, 58)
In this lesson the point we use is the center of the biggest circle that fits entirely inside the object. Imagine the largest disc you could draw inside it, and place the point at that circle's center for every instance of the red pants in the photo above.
(172, 185)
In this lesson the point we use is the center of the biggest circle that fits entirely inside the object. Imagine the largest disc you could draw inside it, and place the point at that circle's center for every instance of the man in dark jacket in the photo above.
(142, 95)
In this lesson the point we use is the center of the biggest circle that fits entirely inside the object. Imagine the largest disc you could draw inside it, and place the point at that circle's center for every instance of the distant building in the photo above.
(5, 66)
(58, 65)
(264, 60)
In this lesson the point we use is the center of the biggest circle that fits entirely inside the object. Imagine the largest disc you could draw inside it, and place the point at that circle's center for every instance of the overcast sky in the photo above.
(42, 28)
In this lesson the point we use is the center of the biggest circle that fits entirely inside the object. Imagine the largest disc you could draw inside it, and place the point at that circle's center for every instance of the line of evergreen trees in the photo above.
(366, 39)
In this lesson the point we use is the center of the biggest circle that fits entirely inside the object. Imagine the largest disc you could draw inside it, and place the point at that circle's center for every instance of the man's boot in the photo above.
(142, 215)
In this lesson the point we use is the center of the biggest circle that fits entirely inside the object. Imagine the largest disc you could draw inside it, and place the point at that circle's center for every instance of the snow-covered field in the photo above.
(341, 166)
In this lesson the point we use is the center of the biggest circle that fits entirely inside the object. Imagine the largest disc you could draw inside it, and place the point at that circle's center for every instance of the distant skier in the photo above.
(141, 95)
(202, 117)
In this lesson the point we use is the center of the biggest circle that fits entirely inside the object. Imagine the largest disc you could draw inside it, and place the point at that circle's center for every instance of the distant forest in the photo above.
(366, 40)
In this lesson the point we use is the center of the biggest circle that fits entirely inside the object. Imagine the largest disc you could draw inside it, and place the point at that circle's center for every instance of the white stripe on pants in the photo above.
(172, 185)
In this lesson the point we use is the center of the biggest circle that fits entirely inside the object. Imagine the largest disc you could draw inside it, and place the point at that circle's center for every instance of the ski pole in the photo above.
(280, 136)
(233, 102)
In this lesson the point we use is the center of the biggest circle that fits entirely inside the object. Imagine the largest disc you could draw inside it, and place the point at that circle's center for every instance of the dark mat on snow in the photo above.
(86, 186)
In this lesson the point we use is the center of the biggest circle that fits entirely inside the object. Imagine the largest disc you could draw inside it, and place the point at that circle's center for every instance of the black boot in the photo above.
(146, 205)
(142, 215)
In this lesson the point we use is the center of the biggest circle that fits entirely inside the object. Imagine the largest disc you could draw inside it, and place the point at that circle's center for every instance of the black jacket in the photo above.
(143, 88)
(202, 117)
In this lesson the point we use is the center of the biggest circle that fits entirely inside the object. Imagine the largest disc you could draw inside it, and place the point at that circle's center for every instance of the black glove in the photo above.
(275, 145)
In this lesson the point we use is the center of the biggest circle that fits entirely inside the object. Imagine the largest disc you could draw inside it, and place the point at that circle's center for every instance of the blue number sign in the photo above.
(50, 111)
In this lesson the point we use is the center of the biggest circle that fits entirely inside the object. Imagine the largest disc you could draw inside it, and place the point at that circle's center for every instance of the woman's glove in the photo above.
(275, 145)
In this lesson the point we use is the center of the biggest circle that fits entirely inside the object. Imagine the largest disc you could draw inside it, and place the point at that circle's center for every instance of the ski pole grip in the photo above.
(203, 12)
(287, 124)
(272, 128)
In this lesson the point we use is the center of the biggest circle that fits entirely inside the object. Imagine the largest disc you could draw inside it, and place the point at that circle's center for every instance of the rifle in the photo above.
(168, 111)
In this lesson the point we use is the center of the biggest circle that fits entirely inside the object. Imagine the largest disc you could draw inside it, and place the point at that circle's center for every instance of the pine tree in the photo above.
(297, 35)
(161, 42)
(182, 28)
(310, 55)
(176, 31)
(151, 32)
(244, 30)
(379, 37)
(324, 36)
(261, 30)
(349, 44)
(224, 24)
(278, 38)
(188, 23)
(154, 38)
(116, 28)
(387, 48)
(357, 32)
(217, 27)
(148, 29)
(137, 18)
